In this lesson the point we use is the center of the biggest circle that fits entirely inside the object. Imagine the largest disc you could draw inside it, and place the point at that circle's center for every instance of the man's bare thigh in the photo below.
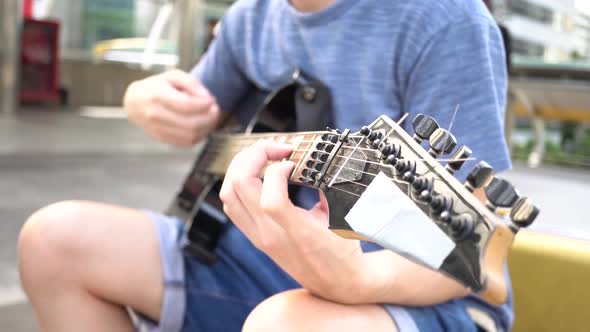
(112, 251)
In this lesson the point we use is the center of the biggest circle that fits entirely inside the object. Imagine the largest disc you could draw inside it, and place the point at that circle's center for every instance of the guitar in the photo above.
(381, 184)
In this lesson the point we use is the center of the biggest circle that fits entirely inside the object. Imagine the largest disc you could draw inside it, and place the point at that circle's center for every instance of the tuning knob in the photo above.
(409, 175)
(423, 186)
(390, 149)
(376, 135)
(441, 142)
(365, 131)
(479, 175)
(524, 212)
(391, 160)
(376, 143)
(403, 166)
(422, 183)
(462, 226)
(424, 126)
(441, 203)
(500, 194)
(458, 159)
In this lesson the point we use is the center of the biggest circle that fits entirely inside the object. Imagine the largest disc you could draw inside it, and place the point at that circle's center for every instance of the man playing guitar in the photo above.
(83, 264)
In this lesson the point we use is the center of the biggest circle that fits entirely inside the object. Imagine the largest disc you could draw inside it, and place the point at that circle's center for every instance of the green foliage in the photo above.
(576, 155)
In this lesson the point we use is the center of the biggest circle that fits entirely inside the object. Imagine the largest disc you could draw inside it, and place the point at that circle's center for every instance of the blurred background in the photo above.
(65, 64)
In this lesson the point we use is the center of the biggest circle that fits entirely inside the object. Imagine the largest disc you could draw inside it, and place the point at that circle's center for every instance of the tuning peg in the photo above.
(524, 212)
(479, 175)
(441, 203)
(422, 183)
(376, 143)
(424, 126)
(410, 174)
(441, 142)
(423, 186)
(394, 149)
(500, 194)
(391, 160)
(372, 135)
(458, 159)
(384, 147)
(376, 135)
(462, 226)
(402, 166)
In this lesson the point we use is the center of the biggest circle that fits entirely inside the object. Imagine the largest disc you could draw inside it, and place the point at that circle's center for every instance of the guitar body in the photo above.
(286, 109)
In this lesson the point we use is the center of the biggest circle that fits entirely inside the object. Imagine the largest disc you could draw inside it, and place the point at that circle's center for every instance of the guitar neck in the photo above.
(222, 148)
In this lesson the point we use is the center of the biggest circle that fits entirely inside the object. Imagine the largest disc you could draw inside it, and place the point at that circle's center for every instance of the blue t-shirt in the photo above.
(377, 57)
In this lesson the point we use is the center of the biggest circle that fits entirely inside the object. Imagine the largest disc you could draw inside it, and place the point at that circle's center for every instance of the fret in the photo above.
(222, 148)
(299, 154)
(296, 152)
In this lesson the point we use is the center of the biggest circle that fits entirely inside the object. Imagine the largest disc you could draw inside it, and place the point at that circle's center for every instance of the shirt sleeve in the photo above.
(463, 65)
(219, 70)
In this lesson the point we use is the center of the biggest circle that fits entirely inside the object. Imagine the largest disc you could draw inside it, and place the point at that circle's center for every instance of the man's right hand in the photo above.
(173, 107)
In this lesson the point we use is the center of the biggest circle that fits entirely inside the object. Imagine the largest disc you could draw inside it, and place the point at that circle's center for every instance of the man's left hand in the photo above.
(298, 240)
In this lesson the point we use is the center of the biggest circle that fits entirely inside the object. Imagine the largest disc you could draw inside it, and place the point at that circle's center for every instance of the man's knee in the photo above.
(48, 240)
(285, 311)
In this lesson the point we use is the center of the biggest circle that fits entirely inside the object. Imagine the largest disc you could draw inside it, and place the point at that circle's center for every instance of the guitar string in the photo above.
(243, 137)
(368, 161)
(241, 146)
(362, 160)
(371, 237)
(335, 178)
(383, 165)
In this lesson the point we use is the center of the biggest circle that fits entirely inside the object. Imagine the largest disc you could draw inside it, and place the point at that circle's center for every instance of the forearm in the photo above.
(392, 278)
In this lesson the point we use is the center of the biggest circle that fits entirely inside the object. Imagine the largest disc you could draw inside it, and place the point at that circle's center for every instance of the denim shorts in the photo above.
(219, 297)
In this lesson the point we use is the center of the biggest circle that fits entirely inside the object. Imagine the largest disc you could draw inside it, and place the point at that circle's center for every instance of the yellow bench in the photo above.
(551, 282)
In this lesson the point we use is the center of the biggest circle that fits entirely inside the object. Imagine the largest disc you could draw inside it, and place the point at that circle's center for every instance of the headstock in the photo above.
(384, 186)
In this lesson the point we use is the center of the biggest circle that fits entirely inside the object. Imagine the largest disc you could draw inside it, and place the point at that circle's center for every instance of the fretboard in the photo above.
(221, 148)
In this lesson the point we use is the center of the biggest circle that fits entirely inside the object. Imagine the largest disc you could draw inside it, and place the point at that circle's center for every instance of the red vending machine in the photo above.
(39, 71)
